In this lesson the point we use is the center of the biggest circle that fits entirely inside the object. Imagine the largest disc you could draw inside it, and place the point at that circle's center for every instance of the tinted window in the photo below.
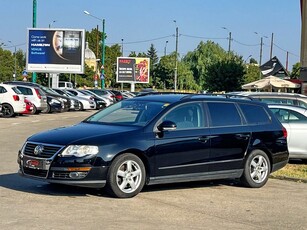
(302, 104)
(285, 115)
(187, 116)
(2, 90)
(277, 101)
(254, 114)
(24, 90)
(129, 112)
(224, 114)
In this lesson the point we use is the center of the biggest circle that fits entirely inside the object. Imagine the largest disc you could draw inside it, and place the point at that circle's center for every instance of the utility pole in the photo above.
(271, 51)
(176, 61)
(34, 26)
(229, 43)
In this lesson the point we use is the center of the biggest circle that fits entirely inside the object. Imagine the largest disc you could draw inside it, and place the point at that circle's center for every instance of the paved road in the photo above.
(28, 204)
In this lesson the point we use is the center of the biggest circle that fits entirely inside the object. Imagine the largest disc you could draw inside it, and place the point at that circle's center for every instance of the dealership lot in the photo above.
(26, 204)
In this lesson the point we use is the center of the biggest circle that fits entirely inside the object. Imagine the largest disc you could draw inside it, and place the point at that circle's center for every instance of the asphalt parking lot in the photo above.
(28, 204)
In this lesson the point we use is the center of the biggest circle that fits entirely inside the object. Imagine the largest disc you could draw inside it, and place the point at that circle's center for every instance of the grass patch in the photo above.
(296, 170)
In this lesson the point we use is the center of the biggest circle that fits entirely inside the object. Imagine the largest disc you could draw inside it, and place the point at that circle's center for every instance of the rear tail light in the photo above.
(285, 132)
(16, 97)
(38, 94)
(119, 97)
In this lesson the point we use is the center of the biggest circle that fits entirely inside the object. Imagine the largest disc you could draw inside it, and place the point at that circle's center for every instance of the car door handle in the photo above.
(205, 138)
(242, 136)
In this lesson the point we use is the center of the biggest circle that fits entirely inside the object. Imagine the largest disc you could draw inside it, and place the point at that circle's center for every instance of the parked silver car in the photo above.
(84, 102)
(294, 119)
(277, 98)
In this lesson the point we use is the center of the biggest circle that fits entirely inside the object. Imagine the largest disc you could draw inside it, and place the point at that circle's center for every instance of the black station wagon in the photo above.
(157, 139)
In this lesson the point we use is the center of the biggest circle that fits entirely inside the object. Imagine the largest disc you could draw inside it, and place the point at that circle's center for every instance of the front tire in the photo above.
(257, 169)
(126, 176)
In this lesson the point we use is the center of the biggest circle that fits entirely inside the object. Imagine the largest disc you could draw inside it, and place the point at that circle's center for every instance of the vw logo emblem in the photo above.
(38, 149)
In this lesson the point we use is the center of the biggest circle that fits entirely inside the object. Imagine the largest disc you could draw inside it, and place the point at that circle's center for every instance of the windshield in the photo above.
(129, 112)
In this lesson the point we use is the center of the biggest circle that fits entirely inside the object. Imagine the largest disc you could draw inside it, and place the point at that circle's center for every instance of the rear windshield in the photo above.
(17, 91)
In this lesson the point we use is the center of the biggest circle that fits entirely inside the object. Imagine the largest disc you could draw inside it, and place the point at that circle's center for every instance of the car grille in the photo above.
(65, 175)
(47, 152)
(35, 172)
(60, 175)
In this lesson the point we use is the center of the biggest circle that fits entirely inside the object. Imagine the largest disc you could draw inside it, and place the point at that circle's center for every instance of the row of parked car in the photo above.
(17, 97)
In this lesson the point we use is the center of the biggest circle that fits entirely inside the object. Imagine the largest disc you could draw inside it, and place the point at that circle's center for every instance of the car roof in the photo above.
(277, 94)
(286, 106)
(175, 97)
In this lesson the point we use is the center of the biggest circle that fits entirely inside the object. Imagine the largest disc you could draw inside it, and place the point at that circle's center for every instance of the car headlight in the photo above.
(79, 150)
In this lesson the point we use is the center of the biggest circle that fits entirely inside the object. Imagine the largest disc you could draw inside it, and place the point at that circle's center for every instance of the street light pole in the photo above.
(176, 62)
(102, 48)
(229, 39)
(165, 48)
(14, 75)
(50, 24)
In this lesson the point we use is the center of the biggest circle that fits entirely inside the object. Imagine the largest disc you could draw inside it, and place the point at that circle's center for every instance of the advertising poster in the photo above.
(55, 50)
(133, 69)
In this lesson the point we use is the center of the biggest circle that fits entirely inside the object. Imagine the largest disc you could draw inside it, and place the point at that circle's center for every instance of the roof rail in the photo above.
(159, 93)
(235, 96)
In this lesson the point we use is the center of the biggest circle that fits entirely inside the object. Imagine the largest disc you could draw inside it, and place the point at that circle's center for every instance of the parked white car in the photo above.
(36, 96)
(294, 119)
(12, 100)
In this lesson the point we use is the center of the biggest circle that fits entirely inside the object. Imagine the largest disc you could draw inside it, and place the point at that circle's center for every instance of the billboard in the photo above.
(132, 69)
(55, 50)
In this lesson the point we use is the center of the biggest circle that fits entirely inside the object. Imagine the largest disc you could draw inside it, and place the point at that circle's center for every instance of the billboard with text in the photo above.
(55, 50)
(133, 69)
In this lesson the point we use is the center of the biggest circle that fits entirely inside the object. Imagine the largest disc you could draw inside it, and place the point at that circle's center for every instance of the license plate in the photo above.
(33, 163)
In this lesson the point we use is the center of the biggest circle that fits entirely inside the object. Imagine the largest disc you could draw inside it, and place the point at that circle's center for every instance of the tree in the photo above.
(225, 75)
(152, 55)
(295, 70)
(6, 65)
(253, 61)
(252, 73)
(201, 58)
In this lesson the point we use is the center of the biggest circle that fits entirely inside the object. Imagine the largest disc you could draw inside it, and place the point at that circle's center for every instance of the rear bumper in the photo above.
(279, 165)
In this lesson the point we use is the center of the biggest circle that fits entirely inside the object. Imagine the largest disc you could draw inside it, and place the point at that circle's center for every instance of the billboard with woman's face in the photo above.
(133, 69)
(55, 50)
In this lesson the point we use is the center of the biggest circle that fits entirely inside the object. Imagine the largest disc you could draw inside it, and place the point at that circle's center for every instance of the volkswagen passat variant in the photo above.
(157, 139)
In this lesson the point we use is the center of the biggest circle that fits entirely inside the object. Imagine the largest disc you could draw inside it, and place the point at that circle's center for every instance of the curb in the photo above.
(289, 179)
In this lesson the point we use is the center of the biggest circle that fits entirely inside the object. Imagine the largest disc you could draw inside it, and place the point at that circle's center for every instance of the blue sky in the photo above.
(140, 23)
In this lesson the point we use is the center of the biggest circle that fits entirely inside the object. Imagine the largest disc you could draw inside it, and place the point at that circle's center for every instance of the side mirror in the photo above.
(167, 126)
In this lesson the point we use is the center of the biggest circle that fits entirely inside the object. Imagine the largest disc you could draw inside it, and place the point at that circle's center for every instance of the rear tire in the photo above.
(7, 111)
(126, 176)
(34, 110)
(257, 169)
(47, 109)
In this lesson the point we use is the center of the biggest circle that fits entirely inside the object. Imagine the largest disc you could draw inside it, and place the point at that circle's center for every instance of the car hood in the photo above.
(82, 133)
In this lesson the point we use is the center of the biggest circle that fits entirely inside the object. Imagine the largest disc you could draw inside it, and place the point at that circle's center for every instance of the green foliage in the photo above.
(253, 61)
(252, 73)
(6, 65)
(225, 75)
(201, 58)
(295, 70)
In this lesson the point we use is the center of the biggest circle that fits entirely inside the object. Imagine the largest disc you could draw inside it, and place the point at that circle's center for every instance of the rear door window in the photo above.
(224, 114)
